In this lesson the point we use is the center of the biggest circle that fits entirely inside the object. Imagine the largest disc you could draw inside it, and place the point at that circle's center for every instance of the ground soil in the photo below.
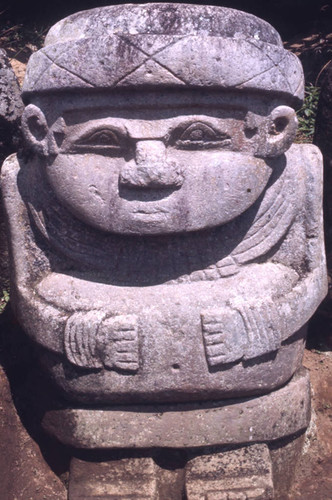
(314, 471)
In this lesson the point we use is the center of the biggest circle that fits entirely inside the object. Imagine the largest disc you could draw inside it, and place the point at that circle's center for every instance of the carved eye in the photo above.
(104, 140)
(201, 136)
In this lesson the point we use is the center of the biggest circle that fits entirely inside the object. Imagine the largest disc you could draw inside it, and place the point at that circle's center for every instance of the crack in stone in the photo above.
(255, 76)
(39, 75)
(157, 51)
(254, 44)
(150, 57)
(68, 71)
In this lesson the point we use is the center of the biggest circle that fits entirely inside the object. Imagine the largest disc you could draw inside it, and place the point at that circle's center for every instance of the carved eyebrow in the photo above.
(180, 126)
(144, 129)
(90, 129)
(211, 133)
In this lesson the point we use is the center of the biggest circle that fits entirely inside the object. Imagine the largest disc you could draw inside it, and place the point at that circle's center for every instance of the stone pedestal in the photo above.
(281, 413)
(125, 478)
(231, 449)
(254, 471)
(245, 473)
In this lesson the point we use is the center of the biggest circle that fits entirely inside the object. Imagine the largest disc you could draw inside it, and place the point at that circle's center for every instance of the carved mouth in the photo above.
(145, 194)
(150, 211)
(150, 215)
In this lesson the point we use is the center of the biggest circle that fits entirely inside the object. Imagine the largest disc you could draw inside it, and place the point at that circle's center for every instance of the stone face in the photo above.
(166, 236)
(200, 327)
(241, 474)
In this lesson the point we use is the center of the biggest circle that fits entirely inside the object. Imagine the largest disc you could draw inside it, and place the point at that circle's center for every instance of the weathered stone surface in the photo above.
(126, 478)
(323, 126)
(285, 455)
(169, 367)
(11, 108)
(241, 474)
(323, 139)
(153, 44)
(266, 418)
(137, 288)
(166, 236)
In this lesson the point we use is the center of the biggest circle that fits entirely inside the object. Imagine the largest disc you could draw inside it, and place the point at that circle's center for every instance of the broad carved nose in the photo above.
(150, 167)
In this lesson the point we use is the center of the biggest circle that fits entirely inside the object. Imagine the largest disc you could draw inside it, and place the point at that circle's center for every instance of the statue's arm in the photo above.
(248, 327)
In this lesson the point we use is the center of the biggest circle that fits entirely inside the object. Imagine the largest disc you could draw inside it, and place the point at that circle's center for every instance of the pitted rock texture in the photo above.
(245, 473)
(198, 328)
(11, 108)
(166, 236)
(169, 45)
(283, 412)
(167, 246)
(134, 478)
(323, 139)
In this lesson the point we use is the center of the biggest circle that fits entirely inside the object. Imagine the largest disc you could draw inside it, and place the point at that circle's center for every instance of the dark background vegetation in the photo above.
(288, 16)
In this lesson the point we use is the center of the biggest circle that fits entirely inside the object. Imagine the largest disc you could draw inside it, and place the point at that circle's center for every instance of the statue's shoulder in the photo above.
(308, 159)
(306, 163)
(9, 188)
(10, 168)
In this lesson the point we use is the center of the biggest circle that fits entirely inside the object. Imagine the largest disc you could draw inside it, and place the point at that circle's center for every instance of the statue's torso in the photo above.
(230, 328)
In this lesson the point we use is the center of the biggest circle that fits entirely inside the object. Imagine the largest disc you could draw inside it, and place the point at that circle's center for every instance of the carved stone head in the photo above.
(160, 118)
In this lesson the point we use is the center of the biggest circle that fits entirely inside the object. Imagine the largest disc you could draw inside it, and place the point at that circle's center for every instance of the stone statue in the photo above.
(166, 236)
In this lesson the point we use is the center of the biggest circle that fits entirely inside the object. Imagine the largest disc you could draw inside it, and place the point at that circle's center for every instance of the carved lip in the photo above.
(150, 211)
(149, 214)
(146, 195)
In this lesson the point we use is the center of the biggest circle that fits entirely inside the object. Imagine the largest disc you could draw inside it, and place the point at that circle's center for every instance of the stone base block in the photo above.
(281, 413)
(124, 479)
(285, 454)
(231, 450)
(262, 471)
(252, 472)
(240, 474)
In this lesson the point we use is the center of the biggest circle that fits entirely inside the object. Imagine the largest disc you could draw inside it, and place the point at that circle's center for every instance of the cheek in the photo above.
(221, 186)
(85, 184)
